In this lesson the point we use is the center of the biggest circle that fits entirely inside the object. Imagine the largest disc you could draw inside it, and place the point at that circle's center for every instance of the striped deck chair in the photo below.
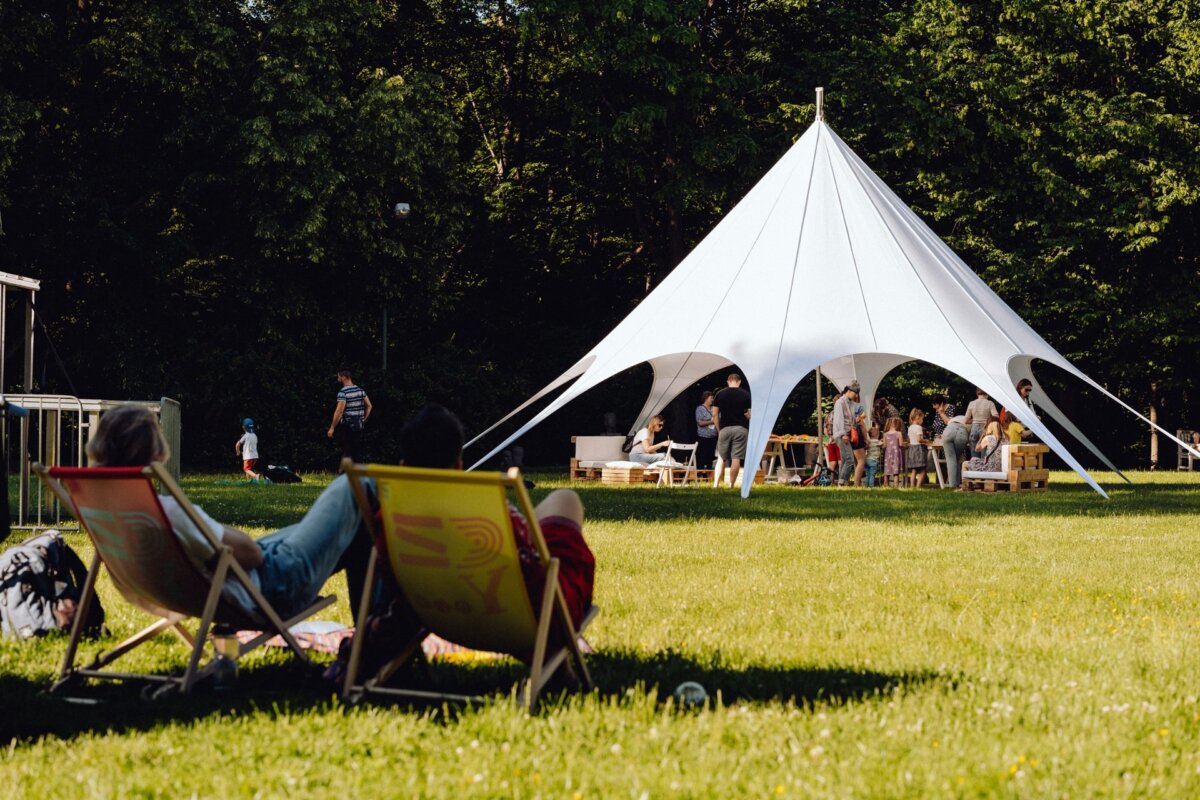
(119, 509)
(448, 539)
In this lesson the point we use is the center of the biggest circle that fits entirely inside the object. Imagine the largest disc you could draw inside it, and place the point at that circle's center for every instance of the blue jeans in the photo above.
(647, 458)
(872, 468)
(299, 559)
(976, 435)
(954, 448)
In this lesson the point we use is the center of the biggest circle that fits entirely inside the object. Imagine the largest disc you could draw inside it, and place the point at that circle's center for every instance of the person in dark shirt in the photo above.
(731, 415)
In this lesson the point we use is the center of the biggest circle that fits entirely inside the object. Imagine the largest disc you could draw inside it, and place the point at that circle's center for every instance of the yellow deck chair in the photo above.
(119, 509)
(449, 542)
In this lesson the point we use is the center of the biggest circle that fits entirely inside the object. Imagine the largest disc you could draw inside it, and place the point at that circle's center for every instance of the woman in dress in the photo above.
(987, 452)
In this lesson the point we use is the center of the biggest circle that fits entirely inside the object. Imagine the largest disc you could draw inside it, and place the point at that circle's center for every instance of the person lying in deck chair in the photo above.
(434, 439)
(289, 566)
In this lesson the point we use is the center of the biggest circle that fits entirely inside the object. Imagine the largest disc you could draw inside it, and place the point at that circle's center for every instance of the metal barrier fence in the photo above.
(56, 433)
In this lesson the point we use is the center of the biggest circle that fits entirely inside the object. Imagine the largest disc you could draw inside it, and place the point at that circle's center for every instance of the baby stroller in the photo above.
(822, 474)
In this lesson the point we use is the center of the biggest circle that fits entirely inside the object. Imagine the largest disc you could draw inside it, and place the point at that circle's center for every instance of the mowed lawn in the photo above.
(866, 643)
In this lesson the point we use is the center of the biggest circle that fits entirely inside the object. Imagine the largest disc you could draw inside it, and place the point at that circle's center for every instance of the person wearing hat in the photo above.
(247, 448)
(847, 417)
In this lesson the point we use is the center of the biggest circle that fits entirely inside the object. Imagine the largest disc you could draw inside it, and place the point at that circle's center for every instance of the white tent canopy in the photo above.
(890, 291)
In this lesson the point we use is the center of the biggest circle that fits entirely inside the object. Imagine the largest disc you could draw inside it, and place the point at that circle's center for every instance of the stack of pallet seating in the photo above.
(592, 453)
(1022, 469)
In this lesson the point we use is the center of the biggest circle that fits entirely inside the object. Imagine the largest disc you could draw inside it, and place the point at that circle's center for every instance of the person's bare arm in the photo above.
(246, 551)
(367, 403)
(716, 412)
(337, 417)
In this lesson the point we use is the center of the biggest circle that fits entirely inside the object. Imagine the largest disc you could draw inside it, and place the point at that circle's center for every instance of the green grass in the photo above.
(881, 643)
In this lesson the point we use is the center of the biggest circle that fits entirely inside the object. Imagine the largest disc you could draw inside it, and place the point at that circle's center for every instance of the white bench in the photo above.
(592, 453)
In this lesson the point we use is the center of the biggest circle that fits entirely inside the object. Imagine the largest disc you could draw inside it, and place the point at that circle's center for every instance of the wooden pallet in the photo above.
(579, 473)
(624, 475)
(1024, 480)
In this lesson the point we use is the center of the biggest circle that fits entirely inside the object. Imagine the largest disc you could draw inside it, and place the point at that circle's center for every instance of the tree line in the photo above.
(206, 188)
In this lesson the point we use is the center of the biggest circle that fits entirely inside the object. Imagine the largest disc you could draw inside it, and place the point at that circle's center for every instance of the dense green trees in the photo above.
(205, 187)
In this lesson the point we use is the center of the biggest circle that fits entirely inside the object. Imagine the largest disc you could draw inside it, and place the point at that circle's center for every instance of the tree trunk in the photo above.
(1153, 422)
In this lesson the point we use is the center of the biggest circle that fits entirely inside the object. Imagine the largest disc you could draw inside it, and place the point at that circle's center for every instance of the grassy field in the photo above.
(854, 643)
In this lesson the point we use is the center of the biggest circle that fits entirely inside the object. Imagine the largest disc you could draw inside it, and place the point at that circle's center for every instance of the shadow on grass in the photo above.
(772, 503)
(27, 713)
(618, 673)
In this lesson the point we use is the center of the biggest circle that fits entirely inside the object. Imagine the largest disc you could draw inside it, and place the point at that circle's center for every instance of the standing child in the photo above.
(247, 448)
(893, 455)
(874, 453)
(915, 457)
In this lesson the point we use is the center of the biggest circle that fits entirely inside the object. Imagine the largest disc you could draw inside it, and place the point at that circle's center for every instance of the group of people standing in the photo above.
(880, 449)
(722, 422)
(883, 448)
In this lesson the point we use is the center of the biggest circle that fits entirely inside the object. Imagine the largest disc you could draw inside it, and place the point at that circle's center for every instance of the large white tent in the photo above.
(820, 265)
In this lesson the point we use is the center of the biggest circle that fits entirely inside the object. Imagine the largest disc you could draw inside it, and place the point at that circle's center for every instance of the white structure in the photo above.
(890, 291)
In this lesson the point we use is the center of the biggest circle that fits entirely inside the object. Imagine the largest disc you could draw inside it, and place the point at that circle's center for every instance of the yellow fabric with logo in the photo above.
(451, 548)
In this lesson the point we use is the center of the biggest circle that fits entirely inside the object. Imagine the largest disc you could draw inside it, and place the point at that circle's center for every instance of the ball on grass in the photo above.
(690, 694)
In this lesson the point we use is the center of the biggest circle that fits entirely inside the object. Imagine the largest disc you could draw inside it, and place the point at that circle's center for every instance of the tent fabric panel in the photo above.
(672, 375)
(578, 369)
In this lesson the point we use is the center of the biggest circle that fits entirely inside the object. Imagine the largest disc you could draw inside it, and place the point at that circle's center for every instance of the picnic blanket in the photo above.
(325, 636)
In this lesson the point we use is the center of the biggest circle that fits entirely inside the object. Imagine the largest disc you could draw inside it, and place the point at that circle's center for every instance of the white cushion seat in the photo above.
(1002, 475)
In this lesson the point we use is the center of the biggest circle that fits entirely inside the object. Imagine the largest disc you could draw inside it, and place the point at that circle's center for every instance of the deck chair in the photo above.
(119, 509)
(448, 540)
(666, 472)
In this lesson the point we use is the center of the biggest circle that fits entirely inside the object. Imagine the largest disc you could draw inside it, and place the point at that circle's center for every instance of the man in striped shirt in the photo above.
(349, 417)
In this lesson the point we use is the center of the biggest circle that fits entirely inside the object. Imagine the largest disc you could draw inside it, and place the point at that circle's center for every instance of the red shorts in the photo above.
(248, 464)
(576, 564)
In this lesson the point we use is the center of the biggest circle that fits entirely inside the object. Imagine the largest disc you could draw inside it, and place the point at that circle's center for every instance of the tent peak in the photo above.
(820, 104)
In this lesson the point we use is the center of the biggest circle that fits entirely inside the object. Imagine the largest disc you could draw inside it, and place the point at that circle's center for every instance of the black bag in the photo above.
(280, 473)
(37, 577)
(628, 443)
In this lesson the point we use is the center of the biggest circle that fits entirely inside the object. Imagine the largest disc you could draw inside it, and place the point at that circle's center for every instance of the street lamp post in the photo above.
(399, 211)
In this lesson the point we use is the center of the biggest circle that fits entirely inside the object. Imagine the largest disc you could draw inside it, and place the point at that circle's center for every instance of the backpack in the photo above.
(627, 445)
(280, 473)
(36, 577)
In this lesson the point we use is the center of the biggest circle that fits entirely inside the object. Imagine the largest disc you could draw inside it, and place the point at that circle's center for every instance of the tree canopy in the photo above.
(205, 187)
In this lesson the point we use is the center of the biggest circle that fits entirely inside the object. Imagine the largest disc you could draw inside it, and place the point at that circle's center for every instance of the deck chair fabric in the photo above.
(131, 531)
(447, 538)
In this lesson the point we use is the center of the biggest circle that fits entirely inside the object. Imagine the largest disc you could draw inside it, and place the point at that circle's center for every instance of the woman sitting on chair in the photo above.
(644, 450)
(289, 566)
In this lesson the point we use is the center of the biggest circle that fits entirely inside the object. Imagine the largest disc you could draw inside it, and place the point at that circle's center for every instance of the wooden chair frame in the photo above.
(215, 609)
(553, 612)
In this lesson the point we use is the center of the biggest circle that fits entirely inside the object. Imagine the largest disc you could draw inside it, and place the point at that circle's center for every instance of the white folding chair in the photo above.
(666, 474)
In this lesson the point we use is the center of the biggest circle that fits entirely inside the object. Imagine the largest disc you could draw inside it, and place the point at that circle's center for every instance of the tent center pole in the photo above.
(820, 421)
